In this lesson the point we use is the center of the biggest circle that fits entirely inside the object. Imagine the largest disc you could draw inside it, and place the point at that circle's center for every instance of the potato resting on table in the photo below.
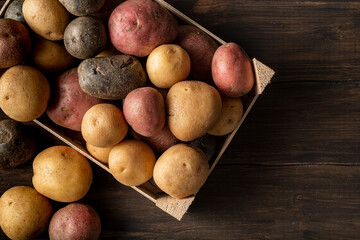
(24, 213)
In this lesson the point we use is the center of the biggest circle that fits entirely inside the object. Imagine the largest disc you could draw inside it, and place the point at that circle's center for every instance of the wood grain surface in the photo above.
(293, 169)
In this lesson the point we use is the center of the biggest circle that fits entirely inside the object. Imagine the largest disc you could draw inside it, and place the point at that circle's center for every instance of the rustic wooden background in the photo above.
(293, 169)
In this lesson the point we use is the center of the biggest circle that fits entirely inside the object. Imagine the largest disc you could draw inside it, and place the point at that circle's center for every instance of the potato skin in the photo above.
(232, 70)
(103, 125)
(17, 145)
(231, 114)
(82, 7)
(14, 11)
(50, 56)
(167, 64)
(193, 107)
(85, 37)
(48, 18)
(24, 93)
(62, 174)
(144, 111)
(68, 103)
(111, 77)
(76, 221)
(136, 27)
(101, 154)
(201, 48)
(181, 170)
(24, 213)
(131, 162)
(15, 42)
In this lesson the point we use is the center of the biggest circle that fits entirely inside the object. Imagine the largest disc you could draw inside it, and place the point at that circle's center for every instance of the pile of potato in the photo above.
(148, 92)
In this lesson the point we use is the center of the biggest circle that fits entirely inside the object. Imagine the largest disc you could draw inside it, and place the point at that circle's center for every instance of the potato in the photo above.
(24, 213)
(101, 154)
(136, 27)
(231, 114)
(68, 103)
(200, 47)
(193, 107)
(24, 93)
(144, 111)
(131, 162)
(85, 37)
(103, 125)
(160, 141)
(111, 77)
(82, 7)
(62, 174)
(75, 221)
(17, 144)
(50, 56)
(167, 65)
(232, 70)
(15, 42)
(48, 18)
(181, 170)
(14, 11)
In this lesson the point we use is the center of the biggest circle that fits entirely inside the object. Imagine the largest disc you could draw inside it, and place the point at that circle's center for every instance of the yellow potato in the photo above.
(103, 125)
(167, 65)
(48, 18)
(24, 93)
(181, 170)
(193, 108)
(50, 56)
(62, 174)
(24, 213)
(101, 154)
(231, 113)
(131, 162)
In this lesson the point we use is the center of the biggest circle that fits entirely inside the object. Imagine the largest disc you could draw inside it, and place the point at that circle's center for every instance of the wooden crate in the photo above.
(175, 207)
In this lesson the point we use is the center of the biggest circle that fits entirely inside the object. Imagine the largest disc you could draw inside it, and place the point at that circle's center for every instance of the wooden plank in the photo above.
(312, 123)
(238, 202)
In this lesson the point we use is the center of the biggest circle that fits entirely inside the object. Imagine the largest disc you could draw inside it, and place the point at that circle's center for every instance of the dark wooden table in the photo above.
(293, 169)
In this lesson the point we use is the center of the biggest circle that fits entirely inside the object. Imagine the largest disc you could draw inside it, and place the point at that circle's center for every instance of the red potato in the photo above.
(200, 47)
(136, 27)
(160, 141)
(232, 71)
(68, 102)
(144, 111)
(76, 221)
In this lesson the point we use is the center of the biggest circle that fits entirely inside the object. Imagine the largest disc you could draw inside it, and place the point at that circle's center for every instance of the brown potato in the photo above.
(193, 108)
(232, 70)
(15, 42)
(231, 113)
(103, 125)
(50, 56)
(62, 174)
(181, 170)
(24, 93)
(131, 162)
(167, 64)
(48, 18)
(24, 213)
(101, 154)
